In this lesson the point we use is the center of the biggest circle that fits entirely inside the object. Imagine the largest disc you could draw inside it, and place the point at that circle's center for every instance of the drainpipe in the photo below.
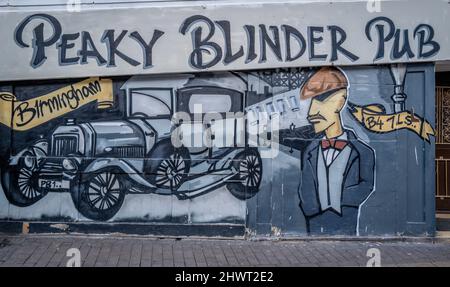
(398, 72)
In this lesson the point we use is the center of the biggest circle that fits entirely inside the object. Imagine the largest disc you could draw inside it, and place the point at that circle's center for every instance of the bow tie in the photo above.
(336, 144)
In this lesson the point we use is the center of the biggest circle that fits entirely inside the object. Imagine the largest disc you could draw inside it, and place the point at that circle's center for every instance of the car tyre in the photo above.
(21, 182)
(168, 167)
(246, 183)
(99, 195)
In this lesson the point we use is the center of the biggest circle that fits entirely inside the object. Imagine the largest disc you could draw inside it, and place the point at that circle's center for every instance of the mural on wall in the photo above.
(99, 162)
(375, 119)
(189, 135)
(338, 171)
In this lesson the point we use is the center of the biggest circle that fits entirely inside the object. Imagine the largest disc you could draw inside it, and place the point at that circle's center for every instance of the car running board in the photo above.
(203, 185)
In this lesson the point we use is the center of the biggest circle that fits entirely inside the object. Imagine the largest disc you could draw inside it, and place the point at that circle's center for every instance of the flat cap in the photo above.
(326, 79)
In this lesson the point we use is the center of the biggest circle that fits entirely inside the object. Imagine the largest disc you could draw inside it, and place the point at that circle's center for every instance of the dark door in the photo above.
(443, 149)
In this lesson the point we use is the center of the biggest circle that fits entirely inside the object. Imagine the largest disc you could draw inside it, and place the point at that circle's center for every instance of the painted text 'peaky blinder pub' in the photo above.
(260, 118)
(271, 38)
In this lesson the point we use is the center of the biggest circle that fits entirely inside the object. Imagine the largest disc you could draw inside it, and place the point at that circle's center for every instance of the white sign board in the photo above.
(174, 37)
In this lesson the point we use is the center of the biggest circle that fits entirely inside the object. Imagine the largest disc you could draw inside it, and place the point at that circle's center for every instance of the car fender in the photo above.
(126, 168)
(39, 149)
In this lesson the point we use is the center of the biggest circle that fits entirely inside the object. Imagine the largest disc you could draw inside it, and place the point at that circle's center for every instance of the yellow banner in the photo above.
(25, 115)
(375, 119)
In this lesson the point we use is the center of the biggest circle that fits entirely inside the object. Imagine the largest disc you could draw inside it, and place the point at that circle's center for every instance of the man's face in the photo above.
(324, 110)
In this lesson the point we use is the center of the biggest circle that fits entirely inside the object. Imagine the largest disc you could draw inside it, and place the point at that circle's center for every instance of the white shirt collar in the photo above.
(343, 137)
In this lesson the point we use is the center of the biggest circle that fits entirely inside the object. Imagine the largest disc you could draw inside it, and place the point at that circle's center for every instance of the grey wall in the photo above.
(391, 186)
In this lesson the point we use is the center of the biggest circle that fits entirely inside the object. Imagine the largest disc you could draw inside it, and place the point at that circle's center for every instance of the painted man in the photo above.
(337, 171)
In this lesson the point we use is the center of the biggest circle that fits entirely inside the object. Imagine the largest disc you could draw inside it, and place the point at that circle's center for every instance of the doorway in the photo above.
(443, 149)
(443, 142)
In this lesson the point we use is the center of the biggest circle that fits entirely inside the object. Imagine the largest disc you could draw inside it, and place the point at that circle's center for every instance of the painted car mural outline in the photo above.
(99, 162)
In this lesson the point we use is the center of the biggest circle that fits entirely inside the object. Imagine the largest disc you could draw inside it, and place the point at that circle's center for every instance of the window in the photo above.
(270, 108)
(252, 116)
(260, 113)
(294, 103)
(210, 103)
(210, 99)
(281, 106)
(152, 103)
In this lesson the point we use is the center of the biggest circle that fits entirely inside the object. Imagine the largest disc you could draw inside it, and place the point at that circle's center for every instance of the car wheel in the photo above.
(99, 196)
(169, 167)
(248, 165)
(21, 182)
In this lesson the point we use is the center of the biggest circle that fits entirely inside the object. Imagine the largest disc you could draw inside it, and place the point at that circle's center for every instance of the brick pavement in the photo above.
(50, 250)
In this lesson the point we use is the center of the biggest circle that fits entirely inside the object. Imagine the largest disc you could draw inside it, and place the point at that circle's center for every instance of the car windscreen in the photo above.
(151, 103)
(209, 100)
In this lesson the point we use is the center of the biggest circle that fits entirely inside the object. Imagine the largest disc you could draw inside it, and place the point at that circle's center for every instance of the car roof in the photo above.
(226, 80)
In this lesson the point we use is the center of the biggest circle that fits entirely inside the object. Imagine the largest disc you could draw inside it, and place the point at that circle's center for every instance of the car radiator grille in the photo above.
(129, 152)
(63, 146)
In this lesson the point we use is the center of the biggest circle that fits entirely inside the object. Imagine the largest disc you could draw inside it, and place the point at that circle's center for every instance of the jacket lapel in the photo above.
(312, 159)
(351, 159)
(354, 154)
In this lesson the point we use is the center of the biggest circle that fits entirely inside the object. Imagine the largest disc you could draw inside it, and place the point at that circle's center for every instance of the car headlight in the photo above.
(29, 161)
(70, 164)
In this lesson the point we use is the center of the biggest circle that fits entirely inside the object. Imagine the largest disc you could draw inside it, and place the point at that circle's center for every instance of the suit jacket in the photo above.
(357, 184)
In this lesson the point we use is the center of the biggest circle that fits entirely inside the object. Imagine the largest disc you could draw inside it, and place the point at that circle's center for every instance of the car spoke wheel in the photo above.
(250, 171)
(167, 167)
(27, 184)
(104, 191)
(21, 182)
(100, 195)
(248, 166)
(171, 172)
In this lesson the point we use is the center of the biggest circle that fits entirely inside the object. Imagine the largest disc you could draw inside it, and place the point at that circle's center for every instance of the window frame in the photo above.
(130, 102)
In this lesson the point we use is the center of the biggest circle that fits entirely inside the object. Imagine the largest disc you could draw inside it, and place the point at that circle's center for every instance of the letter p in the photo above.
(39, 42)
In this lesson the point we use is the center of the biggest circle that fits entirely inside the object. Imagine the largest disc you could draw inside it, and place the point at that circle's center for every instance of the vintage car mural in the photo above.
(99, 162)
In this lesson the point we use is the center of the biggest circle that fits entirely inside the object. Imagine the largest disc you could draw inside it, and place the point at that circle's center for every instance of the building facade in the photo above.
(212, 123)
